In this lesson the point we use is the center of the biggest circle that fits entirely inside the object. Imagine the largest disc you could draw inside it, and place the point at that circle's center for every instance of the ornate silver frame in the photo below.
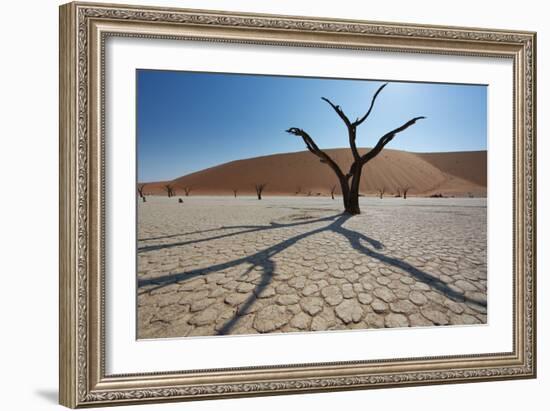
(83, 30)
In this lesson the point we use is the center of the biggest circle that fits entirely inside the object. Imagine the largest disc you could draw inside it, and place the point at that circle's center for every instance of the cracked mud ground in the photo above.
(217, 266)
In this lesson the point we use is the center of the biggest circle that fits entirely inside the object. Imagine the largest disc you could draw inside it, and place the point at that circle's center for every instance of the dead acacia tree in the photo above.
(349, 182)
(140, 189)
(398, 194)
(169, 190)
(405, 191)
(187, 190)
(381, 192)
(332, 190)
(259, 190)
(235, 192)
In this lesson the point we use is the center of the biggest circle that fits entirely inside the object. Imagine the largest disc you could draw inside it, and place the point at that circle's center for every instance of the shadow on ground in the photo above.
(264, 260)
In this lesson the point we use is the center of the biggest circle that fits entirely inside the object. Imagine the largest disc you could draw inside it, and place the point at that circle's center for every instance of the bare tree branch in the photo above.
(360, 120)
(351, 127)
(338, 110)
(311, 146)
(386, 138)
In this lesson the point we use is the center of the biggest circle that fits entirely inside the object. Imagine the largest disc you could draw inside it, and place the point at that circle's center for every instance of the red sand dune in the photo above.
(452, 174)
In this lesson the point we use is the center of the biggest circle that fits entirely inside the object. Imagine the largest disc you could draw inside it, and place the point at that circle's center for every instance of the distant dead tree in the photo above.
(260, 189)
(298, 190)
(140, 191)
(398, 194)
(187, 190)
(381, 192)
(169, 190)
(405, 191)
(309, 193)
(349, 182)
(235, 192)
(332, 190)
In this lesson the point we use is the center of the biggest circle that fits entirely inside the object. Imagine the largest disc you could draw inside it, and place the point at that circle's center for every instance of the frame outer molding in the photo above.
(83, 27)
(68, 347)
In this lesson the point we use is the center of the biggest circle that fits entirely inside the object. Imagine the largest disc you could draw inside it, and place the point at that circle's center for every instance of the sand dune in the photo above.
(469, 165)
(457, 174)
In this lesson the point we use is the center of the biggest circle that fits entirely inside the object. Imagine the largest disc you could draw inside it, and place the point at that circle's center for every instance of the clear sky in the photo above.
(189, 121)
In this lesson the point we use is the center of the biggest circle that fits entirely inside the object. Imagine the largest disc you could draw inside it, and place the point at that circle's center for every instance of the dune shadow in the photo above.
(264, 260)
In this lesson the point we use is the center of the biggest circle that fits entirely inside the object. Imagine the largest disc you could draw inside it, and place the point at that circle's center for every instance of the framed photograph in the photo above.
(259, 204)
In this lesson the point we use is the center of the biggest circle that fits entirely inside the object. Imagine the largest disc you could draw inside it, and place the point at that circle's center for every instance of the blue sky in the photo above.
(189, 121)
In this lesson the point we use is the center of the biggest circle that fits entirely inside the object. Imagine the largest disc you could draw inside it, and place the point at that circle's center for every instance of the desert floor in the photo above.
(220, 265)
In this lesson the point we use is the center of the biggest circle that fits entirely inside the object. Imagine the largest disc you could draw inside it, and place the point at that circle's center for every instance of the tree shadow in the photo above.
(354, 238)
(268, 269)
(263, 259)
(246, 229)
(254, 260)
(162, 237)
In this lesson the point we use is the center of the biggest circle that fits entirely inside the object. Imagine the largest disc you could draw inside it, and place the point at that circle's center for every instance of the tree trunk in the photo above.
(259, 195)
(352, 205)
